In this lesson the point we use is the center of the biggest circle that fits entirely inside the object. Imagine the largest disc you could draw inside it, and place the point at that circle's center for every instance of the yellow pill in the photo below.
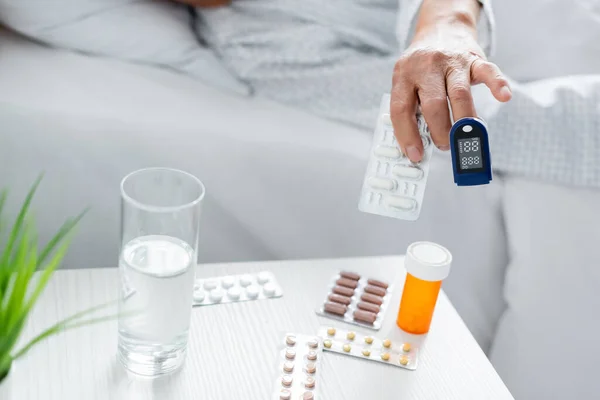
(327, 344)
(331, 331)
(347, 348)
(387, 343)
(404, 360)
(369, 340)
(366, 352)
(351, 335)
(406, 347)
(385, 356)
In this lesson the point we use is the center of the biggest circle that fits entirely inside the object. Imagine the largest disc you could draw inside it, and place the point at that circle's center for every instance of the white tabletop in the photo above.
(233, 346)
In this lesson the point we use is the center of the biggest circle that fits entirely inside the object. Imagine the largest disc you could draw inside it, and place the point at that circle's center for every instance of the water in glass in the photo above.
(157, 275)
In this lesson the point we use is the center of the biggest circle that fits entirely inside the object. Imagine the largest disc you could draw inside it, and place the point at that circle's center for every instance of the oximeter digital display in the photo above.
(470, 149)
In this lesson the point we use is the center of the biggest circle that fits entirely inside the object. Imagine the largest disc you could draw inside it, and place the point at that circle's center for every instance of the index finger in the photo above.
(458, 87)
(403, 112)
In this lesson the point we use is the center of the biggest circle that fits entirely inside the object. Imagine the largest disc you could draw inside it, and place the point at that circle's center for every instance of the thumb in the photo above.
(489, 74)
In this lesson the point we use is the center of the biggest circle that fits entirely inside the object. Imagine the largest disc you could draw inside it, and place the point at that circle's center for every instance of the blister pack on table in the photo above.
(298, 365)
(393, 186)
(236, 288)
(357, 300)
(366, 347)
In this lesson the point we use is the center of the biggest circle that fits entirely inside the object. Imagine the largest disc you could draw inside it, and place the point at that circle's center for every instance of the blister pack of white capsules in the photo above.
(236, 288)
(393, 185)
(298, 365)
(357, 300)
(399, 354)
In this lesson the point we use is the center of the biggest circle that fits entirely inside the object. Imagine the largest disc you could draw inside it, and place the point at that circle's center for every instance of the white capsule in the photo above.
(245, 280)
(269, 289)
(210, 284)
(252, 291)
(407, 171)
(216, 295)
(387, 151)
(263, 278)
(234, 293)
(386, 119)
(228, 282)
(401, 203)
(382, 183)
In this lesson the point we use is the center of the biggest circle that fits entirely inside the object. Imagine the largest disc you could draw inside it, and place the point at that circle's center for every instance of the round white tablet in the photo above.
(263, 278)
(245, 280)
(228, 282)
(252, 291)
(269, 289)
(216, 295)
(234, 293)
(210, 284)
(199, 295)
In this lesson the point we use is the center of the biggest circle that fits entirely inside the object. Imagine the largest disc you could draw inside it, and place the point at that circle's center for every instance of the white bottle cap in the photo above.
(428, 261)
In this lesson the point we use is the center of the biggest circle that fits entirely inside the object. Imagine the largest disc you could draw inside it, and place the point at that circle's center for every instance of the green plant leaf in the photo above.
(5, 363)
(14, 234)
(46, 274)
(19, 283)
(21, 287)
(67, 324)
(60, 235)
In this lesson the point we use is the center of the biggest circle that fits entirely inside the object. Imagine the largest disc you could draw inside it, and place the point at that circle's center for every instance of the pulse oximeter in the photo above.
(470, 150)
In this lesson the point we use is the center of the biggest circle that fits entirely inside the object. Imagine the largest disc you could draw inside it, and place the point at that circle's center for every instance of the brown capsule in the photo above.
(350, 275)
(374, 308)
(336, 298)
(371, 298)
(335, 308)
(349, 283)
(377, 283)
(344, 291)
(365, 316)
(377, 291)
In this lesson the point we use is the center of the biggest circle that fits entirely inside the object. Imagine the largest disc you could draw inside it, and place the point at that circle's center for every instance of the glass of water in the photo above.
(160, 213)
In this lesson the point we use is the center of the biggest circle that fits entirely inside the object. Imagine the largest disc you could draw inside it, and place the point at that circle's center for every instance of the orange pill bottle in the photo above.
(427, 265)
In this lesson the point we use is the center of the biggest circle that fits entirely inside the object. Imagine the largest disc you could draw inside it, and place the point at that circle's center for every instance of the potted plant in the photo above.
(21, 286)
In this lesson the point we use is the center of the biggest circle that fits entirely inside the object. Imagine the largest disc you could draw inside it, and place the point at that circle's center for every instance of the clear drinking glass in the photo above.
(160, 213)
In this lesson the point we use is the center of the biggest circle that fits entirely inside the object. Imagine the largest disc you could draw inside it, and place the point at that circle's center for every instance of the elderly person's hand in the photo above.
(442, 62)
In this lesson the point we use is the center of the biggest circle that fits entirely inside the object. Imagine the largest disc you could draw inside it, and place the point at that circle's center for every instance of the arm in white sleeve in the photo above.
(549, 131)
(408, 11)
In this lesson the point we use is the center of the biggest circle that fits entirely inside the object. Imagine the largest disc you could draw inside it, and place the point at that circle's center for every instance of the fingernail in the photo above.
(444, 147)
(505, 91)
(413, 153)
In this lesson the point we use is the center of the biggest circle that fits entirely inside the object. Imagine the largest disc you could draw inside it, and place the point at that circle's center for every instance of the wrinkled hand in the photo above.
(441, 63)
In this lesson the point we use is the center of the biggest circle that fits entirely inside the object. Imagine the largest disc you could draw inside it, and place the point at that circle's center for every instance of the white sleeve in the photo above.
(408, 12)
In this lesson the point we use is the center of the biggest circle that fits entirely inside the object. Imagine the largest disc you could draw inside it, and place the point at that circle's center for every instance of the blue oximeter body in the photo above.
(470, 149)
